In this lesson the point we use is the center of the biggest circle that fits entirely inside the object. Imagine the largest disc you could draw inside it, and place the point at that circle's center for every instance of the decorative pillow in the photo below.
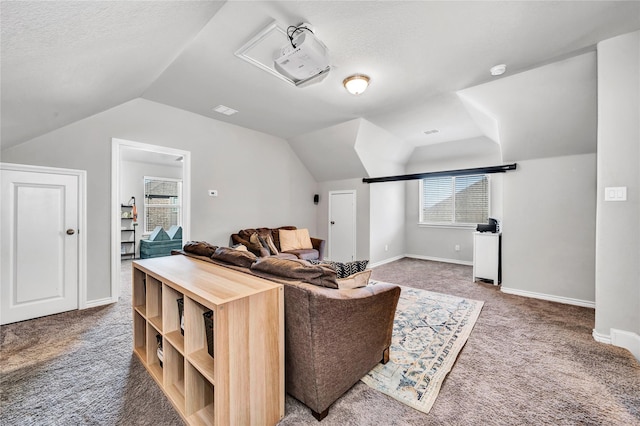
(256, 247)
(235, 257)
(201, 248)
(240, 247)
(359, 279)
(268, 239)
(295, 239)
(343, 270)
(320, 275)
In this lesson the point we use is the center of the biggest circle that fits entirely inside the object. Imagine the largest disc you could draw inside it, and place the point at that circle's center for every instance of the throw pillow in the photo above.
(234, 257)
(294, 239)
(297, 269)
(360, 279)
(240, 247)
(270, 244)
(256, 247)
(343, 270)
(201, 248)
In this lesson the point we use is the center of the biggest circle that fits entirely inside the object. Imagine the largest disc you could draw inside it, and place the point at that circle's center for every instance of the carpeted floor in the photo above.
(527, 361)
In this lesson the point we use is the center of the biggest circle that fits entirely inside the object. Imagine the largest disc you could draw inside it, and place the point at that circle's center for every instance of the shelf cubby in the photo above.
(171, 319)
(174, 376)
(200, 391)
(154, 302)
(248, 344)
(140, 336)
(194, 319)
(153, 363)
(139, 292)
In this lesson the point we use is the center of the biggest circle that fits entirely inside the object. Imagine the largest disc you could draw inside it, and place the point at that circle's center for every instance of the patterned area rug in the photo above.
(429, 330)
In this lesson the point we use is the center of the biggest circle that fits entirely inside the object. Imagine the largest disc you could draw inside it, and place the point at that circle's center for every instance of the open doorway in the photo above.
(134, 166)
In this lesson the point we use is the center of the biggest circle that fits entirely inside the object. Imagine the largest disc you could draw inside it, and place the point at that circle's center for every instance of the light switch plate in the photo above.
(213, 193)
(615, 193)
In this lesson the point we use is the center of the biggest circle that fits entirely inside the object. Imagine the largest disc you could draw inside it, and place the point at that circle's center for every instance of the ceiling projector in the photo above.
(304, 59)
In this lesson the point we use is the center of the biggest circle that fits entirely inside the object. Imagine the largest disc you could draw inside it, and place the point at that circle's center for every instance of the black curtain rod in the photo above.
(461, 172)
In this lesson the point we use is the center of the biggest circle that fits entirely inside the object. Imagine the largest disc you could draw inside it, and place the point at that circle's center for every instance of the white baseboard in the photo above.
(440, 259)
(621, 338)
(98, 302)
(389, 260)
(602, 338)
(549, 297)
(627, 340)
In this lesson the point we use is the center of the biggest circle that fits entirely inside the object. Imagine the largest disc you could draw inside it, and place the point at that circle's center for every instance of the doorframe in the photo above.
(116, 149)
(81, 175)
(353, 216)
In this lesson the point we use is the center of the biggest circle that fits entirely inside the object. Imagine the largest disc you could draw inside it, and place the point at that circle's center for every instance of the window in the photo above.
(162, 203)
(455, 200)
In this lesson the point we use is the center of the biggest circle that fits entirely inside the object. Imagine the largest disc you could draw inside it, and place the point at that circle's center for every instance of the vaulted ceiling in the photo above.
(428, 63)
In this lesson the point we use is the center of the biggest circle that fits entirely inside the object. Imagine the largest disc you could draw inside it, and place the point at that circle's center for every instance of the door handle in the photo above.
(332, 222)
(70, 231)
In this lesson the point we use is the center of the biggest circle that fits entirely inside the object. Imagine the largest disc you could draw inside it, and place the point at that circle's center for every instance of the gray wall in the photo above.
(618, 225)
(439, 242)
(387, 218)
(260, 180)
(549, 227)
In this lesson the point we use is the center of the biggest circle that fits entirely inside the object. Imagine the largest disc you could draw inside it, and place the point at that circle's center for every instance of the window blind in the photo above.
(455, 199)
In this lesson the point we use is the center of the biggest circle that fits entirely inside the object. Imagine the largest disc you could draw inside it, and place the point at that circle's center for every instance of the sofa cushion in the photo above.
(320, 275)
(234, 257)
(295, 239)
(306, 254)
(201, 248)
(359, 279)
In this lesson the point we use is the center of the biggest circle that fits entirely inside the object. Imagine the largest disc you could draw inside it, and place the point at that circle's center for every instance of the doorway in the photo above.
(342, 226)
(44, 241)
(127, 152)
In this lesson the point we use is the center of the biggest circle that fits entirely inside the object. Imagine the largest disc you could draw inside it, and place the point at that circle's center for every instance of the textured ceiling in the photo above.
(66, 60)
(63, 61)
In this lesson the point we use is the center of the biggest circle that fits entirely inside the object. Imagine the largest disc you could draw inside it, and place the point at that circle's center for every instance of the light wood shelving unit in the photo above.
(243, 383)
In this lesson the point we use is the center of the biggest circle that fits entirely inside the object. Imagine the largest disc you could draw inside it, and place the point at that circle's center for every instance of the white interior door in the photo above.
(40, 244)
(342, 226)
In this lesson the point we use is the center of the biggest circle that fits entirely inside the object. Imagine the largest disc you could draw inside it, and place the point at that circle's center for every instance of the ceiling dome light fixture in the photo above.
(356, 84)
(498, 69)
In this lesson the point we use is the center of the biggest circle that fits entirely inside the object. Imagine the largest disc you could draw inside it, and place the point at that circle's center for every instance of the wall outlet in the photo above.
(213, 193)
(457, 247)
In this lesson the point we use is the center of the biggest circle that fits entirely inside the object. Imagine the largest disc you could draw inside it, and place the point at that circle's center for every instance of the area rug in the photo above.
(429, 330)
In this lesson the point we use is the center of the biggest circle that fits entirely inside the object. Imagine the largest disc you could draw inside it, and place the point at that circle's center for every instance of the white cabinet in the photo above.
(486, 257)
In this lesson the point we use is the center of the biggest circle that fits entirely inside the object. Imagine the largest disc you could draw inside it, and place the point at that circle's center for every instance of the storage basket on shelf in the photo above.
(181, 314)
(160, 352)
(208, 326)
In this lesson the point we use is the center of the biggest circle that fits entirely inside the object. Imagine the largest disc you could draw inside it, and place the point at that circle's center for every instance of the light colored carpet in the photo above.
(527, 362)
(429, 330)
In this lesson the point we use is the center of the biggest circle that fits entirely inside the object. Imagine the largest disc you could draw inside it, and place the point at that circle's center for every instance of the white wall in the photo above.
(618, 223)
(132, 175)
(260, 180)
(549, 227)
